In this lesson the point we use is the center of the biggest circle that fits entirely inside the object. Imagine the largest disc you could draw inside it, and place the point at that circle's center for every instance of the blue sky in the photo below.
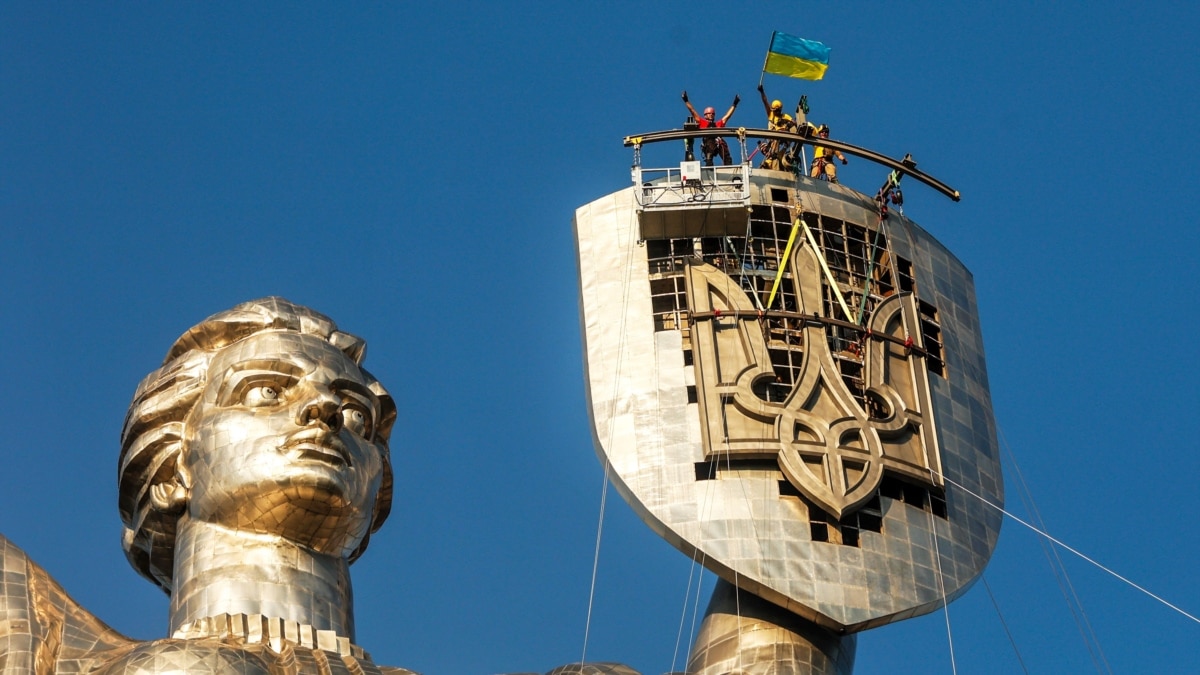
(413, 171)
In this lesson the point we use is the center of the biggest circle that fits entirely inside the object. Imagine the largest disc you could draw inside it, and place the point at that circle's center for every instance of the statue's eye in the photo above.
(262, 395)
(357, 420)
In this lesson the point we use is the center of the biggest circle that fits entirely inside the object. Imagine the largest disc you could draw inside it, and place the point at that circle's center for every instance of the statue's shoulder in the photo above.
(233, 656)
(20, 631)
(196, 657)
(43, 630)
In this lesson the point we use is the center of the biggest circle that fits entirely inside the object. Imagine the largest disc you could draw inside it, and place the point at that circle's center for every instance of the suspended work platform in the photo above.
(671, 197)
(694, 200)
(752, 331)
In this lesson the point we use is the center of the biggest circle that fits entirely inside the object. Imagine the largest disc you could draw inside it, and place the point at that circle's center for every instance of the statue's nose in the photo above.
(323, 408)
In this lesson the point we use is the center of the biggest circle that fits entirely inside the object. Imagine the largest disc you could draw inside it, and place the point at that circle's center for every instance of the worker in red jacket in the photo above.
(711, 147)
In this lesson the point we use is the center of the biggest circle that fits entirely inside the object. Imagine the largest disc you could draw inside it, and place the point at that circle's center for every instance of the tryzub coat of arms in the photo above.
(790, 386)
(837, 396)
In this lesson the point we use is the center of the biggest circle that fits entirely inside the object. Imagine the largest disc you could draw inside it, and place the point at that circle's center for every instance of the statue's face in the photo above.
(282, 442)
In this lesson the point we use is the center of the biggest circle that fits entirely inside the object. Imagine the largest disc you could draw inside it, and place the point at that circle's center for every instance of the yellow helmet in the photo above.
(776, 105)
(787, 117)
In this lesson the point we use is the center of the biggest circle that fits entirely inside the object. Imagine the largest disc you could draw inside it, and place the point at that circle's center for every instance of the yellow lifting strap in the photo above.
(833, 283)
(787, 252)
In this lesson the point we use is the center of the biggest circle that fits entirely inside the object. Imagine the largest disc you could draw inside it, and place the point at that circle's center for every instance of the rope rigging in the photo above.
(752, 282)
(1079, 554)
(611, 433)
(1007, 632)
(1059, 570)
(937, 557)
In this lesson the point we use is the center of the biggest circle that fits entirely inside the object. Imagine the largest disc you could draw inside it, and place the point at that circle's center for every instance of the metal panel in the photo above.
(647, 424)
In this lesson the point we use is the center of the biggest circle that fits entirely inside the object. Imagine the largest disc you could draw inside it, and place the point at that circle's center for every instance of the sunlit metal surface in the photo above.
(254, 466)
(742, 633)
(832, 493)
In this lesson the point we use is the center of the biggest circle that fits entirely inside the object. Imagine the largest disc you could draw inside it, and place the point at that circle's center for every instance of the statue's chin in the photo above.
(322, 529)
(308, 515)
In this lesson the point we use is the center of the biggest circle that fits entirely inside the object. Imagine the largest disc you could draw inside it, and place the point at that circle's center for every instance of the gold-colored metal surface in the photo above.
(829, 447)
(254, 467)
(746, 634)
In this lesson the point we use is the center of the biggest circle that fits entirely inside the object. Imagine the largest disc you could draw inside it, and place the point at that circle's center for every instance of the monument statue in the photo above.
(253, 469)
(787, 382)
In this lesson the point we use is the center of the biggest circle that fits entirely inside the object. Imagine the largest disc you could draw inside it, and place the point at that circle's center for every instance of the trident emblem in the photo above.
(837, 404)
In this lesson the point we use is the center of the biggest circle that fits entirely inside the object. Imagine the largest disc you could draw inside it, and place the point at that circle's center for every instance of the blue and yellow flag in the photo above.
(791, 56)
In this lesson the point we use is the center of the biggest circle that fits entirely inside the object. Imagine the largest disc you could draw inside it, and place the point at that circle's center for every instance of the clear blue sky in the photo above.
(412, 171)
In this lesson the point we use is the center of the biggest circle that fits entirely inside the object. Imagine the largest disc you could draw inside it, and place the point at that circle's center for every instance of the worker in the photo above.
(822, 164)
(780, 155)
(713, 146)
(774, 110)
(790, 158)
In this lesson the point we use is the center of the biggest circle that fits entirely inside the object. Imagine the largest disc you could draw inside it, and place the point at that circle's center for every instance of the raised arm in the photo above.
(695, 115)
(35, 614)
(736, 100)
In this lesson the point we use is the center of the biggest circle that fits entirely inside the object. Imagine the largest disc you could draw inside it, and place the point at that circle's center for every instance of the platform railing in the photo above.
(690, 184)
(901, 167)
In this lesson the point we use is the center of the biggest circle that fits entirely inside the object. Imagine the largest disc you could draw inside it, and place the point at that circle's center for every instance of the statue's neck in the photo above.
(222, 571)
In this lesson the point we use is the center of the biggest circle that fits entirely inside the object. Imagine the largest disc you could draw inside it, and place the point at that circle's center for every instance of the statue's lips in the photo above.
(318, 444)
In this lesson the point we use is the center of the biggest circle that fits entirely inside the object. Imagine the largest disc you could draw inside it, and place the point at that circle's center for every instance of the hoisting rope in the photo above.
(833, 283)
(698, 555)
(1061, 577)
(866, 292)
(1070, 549)
(587, 627)
(937, 557)
(611, 433)
(881, 200)
(741, 263)
(1003, 623)
(683, 614)
(727, 250)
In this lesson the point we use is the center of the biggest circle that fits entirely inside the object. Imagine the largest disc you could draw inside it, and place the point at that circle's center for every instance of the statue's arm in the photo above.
(23, 633)
(40, 625)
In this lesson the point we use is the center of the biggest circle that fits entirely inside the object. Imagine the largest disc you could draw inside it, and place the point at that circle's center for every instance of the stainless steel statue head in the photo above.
(254, 467)
(261, 422)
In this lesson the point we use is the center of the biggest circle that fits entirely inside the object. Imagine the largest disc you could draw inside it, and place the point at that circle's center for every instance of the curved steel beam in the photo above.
(907, 167)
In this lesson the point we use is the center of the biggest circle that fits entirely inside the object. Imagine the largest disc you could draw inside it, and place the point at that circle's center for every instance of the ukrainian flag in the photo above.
(791, 56)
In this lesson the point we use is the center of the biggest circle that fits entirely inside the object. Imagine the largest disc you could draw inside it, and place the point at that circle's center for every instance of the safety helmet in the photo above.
(776, 105)
(787, 117)
(823, 129)
(709, 111)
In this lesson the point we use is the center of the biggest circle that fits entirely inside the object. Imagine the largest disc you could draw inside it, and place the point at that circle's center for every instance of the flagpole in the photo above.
(766, 58)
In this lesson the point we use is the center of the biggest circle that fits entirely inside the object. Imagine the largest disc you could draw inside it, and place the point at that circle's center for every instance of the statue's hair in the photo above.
(152, 437)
